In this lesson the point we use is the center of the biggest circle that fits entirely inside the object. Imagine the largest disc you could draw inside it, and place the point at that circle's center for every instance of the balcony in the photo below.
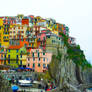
(32, 41)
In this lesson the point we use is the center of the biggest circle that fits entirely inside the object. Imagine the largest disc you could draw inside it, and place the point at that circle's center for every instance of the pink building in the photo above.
(38, 60)
(41, 40)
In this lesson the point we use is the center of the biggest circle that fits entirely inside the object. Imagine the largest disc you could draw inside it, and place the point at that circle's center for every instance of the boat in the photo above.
(25, 83)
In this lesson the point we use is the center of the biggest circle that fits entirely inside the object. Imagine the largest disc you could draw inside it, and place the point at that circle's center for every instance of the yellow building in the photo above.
(23, 56)
(5, 35)
(53, 28)
(13, 56)
(1, 22)
(1, 31)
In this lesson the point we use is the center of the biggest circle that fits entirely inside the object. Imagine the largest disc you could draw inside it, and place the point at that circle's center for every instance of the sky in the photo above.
(76, 14)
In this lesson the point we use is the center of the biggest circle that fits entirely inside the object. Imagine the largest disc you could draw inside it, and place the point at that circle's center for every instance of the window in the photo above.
(53, 41)
(38, 59)
(5, 56)
(21, 56)
(38, 64)
(28, 64)
(16, 61)
(39, 39)
(33, 59)
(43, 59)
(32, 45)
(47, 65)
(8, 61)
(43, 38)
(32, 54)
(44, 65)
(57, 37)
(47, 59)
(17, 50)
(20, 62)
(17, 56)
(8, 56)
(28, 59)
(22, 31)
(25, 45)
(33, 65)
(4, 37)
(43, 53)
(38, 54)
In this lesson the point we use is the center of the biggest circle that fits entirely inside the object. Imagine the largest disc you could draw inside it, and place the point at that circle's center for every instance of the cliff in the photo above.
(68, 69)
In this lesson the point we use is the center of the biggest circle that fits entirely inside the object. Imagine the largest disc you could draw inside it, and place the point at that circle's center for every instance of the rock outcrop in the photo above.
(70, 75)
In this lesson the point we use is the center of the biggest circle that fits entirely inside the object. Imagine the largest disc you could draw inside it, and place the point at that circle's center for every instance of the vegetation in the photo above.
(75, 53)
(78, 57)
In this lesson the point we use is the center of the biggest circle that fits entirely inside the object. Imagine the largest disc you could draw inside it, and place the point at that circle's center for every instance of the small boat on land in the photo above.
(25, 83)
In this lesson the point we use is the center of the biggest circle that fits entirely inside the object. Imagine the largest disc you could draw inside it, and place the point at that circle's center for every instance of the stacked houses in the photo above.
(29, 41)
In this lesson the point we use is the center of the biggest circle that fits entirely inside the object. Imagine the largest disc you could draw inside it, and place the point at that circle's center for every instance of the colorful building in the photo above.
(17, 35)
(13, 56)
(5, 41)
(30, 41)
(2, 56)
(38, 60)
(23, 56)
(25, 21)
(53, 42)
(1, 31)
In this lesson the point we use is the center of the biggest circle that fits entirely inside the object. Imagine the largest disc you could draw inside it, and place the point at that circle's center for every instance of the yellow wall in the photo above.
(1, 34)
(1, 22)
(24, 56)
(13, 54)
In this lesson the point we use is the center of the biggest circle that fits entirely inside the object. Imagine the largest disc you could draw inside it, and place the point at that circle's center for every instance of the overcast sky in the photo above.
(76, 14)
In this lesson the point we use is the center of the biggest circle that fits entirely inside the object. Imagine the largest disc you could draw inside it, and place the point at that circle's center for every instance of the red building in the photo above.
(25, 21)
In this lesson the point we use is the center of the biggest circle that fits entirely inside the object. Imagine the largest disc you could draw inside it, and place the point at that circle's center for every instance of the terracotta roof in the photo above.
(15, 47)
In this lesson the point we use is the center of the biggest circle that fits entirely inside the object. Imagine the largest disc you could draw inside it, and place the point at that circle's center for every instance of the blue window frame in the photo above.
(8, 61)
(20, 62)
(44, 65)
(17, 56)
(38, 64)
(8, 56)
(17, 50)
(43, 59)
(9, 50)
(21, 56)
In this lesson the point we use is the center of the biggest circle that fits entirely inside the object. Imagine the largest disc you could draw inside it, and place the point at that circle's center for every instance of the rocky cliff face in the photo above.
(87, 75)
(70, 75)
